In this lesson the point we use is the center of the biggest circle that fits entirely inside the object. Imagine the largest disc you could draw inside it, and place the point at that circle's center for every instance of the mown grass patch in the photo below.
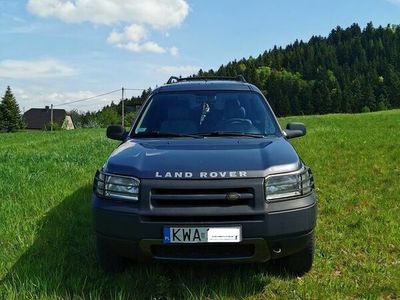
(47, 243)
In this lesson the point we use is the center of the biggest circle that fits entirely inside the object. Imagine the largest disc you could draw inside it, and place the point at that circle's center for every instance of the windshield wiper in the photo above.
(167, 134)
(227, 133)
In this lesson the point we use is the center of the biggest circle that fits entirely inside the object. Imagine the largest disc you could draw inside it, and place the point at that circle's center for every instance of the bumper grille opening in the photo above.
(203, 251)
(200, 219)
(193, 203)
(202, 197)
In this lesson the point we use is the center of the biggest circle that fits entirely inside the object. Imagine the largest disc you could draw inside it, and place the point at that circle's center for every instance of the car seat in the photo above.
(233, 110)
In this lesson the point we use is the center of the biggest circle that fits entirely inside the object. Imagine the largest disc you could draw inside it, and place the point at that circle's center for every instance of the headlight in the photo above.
(116, 186)
(288, 185)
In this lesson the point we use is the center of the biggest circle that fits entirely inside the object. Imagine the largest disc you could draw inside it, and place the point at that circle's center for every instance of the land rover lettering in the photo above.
(219, 174)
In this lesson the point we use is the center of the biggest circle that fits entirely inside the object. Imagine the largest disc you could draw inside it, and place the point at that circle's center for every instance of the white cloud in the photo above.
(38, 97)
(179, 70)
(133, 33)
(138, 14)
(174, 51)
(26, 69)
(395, 1)
(147, 46)
(159, 14)
(20, 29)
(134, 38)
(20, 94)
(58, 98)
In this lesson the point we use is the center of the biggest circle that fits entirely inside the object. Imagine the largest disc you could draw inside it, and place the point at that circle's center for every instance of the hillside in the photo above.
(47, 246)
(350, 70)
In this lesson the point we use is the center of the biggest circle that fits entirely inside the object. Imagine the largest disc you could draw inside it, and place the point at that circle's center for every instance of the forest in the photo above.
(352, 70)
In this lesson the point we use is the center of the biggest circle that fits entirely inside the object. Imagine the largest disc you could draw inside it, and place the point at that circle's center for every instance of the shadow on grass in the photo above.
(62, 264)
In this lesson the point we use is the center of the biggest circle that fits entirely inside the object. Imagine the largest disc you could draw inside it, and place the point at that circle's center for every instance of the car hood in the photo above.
(208, 158)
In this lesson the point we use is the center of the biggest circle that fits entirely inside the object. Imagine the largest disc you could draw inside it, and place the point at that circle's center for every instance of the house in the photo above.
(40, 118)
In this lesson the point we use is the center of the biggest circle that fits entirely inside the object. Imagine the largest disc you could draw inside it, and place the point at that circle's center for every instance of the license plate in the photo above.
(190, 235)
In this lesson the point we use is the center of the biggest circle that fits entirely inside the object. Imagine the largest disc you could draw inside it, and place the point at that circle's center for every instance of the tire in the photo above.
(301, 262)
(109, 262)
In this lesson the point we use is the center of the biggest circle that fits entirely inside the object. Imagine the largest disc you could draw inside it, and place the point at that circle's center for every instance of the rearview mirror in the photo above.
(116, 132)
(295, 129)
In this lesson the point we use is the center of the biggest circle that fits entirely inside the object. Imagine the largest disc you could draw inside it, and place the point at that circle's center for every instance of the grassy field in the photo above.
(47, 244)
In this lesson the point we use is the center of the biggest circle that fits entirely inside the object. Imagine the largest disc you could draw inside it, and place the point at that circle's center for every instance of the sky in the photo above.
(59, 51)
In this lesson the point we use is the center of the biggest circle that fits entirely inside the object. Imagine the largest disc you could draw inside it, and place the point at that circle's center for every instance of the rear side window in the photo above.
(207, 111)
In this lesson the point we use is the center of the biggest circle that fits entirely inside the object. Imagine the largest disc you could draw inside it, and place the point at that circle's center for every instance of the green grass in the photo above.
(47, 244)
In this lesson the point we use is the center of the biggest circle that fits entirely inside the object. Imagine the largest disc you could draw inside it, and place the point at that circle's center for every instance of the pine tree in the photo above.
(1, 117)
(369, 98)
(11, 116)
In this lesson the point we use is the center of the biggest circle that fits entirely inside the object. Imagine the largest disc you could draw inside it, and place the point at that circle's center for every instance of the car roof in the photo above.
(205, 84)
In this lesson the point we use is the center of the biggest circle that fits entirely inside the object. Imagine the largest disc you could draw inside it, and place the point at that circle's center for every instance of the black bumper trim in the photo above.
(263, 249)
(130, 230)
(269, 225)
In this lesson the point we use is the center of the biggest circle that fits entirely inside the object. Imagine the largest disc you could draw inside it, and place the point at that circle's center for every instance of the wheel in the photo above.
(109, 262)
(301, 262)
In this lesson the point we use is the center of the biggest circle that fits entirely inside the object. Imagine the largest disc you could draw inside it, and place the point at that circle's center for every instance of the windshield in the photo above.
(206, 113)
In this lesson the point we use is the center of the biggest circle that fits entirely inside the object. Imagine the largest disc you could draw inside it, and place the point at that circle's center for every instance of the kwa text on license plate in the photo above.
(231, 234)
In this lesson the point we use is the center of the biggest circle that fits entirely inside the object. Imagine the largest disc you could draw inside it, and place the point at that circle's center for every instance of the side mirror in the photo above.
(295, 129)
(116, 132)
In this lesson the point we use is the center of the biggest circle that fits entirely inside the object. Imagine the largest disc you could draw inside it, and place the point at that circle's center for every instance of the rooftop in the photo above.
(38, 118)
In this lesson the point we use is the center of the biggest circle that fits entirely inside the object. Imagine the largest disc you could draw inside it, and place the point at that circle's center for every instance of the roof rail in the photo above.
(174, 79)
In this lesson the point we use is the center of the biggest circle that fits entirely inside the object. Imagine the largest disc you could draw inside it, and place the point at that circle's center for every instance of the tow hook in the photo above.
(277, 250)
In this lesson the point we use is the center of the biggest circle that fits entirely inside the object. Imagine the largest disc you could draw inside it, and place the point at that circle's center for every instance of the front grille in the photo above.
(203, 251)
(202, 197)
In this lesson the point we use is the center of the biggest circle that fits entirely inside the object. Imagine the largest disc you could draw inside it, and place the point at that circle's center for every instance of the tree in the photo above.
(369, 98)
(344, 72)
(1, 117)
(77, 118)
(108, 116)
(129, 118)
(382, 103)
(10, 113)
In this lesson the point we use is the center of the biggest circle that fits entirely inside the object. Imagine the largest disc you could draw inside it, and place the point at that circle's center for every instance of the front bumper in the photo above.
(269, 230)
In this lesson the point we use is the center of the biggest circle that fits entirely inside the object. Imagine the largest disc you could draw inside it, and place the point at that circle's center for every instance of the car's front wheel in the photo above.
(109, 261)
(301, 262)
